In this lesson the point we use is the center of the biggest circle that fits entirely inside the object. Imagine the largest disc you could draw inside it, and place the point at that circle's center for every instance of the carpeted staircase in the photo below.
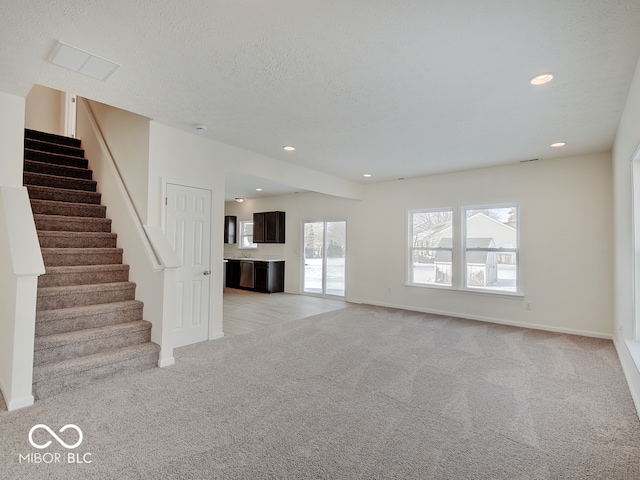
(88, 324)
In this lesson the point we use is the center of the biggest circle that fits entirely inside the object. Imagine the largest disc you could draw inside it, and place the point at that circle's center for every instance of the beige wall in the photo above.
(566, 241)
(127, 136)
(11, 139)
(44, 110)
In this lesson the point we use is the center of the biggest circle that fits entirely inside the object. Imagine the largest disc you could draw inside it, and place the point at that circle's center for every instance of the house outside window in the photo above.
(431, 247)
(491, 248)
(246, 234)
(476, 251)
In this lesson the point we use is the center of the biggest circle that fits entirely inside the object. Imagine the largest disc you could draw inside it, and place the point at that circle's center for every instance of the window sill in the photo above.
(634, 351)
(467, 290)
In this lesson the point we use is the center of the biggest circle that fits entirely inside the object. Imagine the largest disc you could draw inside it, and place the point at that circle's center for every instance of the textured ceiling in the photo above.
(394, 88)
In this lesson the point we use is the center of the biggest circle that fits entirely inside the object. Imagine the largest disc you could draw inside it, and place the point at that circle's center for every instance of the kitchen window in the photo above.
(246, 234)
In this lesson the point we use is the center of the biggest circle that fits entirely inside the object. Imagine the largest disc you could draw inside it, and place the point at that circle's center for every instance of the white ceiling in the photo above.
(397, 88)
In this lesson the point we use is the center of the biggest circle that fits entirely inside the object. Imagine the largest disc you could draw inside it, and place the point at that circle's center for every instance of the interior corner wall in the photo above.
(626, 145)
(127, 135)
(566, 242)
(45, 110)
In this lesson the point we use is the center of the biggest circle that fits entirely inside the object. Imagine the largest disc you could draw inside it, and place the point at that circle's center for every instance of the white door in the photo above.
(188, 228)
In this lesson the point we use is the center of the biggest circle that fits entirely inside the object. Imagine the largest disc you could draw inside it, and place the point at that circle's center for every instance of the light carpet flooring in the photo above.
(357, 393)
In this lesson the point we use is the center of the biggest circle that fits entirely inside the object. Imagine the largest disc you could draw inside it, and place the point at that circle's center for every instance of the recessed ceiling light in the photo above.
(541, 79)
(239, 199)
(558, 144)
(82, 62)
(200, 128)
(288, 148)
(366, 175)
(258, 189)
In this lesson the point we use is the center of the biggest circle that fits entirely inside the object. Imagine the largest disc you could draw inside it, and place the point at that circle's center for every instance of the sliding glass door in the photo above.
(324, 258)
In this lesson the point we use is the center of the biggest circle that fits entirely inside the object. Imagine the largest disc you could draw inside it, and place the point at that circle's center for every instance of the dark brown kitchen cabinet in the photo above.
(269, 227)
(256, 275)
(233, 274)
(230, 222)
(268, 276)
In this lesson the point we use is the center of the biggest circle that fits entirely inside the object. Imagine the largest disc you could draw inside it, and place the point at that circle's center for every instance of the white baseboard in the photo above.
(18, 403)
(535, 326)
(629, 355)
(165, 362)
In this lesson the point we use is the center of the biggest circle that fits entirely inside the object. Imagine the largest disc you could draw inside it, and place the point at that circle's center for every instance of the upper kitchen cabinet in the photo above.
(268, 227)
(230, 229)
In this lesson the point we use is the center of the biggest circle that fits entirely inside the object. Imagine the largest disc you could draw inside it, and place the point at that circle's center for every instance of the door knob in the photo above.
(207, 272)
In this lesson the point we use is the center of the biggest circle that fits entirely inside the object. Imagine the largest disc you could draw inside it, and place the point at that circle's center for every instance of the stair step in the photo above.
(89, 326)
(51, 207)
(57, 257)
(63, 195)
(62, 320)
(42, 179)
(55, 158)
(44, 146)
(51, 138)
(54, 378)
(57, 170)
(51, 298)
(83, 275)
(62, 239)
(71, 224)
(65, 346)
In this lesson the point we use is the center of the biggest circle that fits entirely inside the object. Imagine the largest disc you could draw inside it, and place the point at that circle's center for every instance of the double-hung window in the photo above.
(246, 234)
(431, 256)
(473, 249)
(490, 244)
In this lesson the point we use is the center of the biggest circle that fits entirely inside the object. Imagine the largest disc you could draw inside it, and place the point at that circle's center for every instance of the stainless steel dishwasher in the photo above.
(246, 274)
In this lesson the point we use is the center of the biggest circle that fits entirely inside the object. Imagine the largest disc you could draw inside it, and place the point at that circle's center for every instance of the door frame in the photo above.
(324, 259)
(211, 333)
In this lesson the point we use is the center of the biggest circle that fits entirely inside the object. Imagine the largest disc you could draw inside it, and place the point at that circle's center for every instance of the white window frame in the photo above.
(412, 248)
(242, 236)
(514, 250)
(459, 251)
(635, 209)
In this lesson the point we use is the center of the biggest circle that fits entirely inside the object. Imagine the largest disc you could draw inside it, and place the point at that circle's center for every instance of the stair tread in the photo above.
(44, 216)
(66, 209)
(80, 250)
(51, 315)
(80, 364)
(87, 268)
(31, 134)
(44, 201)
(69, 233)
(56, 192)
(70, 169)
(88, 334)
(54, 158)
(48, 146)
(57, 181)
(95, 287)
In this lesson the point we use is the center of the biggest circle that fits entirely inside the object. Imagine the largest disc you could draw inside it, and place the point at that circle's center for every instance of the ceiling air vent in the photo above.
(82, 62)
